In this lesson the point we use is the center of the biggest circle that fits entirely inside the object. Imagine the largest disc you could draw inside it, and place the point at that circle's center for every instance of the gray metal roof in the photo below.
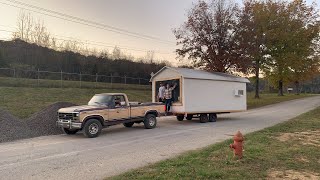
(199, 74)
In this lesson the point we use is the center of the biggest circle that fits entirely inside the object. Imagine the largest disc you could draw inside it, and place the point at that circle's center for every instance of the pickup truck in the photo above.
(105, 110)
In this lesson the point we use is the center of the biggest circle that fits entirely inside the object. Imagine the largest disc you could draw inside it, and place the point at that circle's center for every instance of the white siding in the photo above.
(213, 96)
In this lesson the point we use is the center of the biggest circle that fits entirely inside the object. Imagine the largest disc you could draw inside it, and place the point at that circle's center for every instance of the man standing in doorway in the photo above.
(168, 96)
(161, 92)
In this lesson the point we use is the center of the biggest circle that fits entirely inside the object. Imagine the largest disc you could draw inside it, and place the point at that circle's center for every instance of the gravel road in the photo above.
(119, 149)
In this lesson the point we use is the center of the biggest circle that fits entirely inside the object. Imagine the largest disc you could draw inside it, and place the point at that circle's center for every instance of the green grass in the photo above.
(22, 82)
(23, 102)
(271, 98)
(263, 154)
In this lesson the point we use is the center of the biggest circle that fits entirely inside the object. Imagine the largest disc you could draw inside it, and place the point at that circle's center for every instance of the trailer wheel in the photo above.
(150, 121)
(189, 117)
(128, 124)
(212, 117)
(204, 118)
(92, 128)
(180, 117)
(69, 131)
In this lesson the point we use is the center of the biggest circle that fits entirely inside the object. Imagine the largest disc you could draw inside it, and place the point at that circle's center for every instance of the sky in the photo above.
(156, 18)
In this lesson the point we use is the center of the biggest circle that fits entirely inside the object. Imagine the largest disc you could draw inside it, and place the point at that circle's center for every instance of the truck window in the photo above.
(120, 101)
(176, 96)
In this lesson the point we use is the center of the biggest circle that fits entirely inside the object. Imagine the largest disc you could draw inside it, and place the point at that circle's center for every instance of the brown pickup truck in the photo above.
(105, 110)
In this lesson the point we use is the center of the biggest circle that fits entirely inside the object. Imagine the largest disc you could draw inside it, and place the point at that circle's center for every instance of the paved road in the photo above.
(119, 149)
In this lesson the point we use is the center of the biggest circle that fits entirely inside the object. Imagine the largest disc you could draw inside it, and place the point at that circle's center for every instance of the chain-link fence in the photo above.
(39, 78)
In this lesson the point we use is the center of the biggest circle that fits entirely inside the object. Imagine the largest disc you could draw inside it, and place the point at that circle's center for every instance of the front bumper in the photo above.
(68, 124)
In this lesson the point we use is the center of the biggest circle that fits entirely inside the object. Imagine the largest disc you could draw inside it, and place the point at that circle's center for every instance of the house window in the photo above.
(239, 92)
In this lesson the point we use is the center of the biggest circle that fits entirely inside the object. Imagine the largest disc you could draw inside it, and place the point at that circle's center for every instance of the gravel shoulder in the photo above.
(119, 149)
(41, 123)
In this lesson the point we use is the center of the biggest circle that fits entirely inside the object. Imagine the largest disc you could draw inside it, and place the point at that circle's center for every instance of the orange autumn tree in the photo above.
(208, 37)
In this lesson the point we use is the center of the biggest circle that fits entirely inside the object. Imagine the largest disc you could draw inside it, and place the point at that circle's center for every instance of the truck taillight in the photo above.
(164, 108)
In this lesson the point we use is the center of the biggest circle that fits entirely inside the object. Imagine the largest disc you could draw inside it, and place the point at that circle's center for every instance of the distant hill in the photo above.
(20, 54)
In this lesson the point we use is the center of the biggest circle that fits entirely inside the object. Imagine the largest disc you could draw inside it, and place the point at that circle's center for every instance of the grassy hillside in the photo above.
(22, 82)
(23, 101)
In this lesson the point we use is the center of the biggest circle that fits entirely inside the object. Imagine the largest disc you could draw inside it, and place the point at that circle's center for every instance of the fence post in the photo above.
(125, 79)
(111, 80)
(38, 78)
(61, 78)
(80, 80)
(14, 72)
(139, 81)
(96, 80)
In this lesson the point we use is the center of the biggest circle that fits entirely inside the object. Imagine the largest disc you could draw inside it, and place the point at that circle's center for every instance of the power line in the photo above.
(101, 44)
(87, 22)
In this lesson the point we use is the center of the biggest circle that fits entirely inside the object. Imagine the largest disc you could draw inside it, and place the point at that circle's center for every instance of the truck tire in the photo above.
(180, 117)
(212, 117)
(189, 117)
(150, 121)
(204, 118)
(92, 128)
(70, 131)
(128, 124)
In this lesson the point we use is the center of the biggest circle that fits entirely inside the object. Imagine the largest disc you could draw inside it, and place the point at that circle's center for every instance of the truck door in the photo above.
(120, 110)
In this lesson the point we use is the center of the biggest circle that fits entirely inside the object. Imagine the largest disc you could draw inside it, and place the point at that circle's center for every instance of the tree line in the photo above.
(33, 47)
(276, 39)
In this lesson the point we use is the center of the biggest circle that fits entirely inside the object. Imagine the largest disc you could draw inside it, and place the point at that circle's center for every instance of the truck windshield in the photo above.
(100, 100)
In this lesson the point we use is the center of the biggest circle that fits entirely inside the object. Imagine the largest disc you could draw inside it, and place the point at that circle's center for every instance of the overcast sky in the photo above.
(149, 17)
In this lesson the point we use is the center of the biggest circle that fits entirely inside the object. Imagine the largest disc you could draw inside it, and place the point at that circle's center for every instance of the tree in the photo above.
(207, 38)
(2, 61)
(305, 61)
(290, 32)
(251, 37)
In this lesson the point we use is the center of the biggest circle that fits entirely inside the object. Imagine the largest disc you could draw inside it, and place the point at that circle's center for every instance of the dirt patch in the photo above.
(302, 159)
(306, 137)
(41, 123)
(291, 174)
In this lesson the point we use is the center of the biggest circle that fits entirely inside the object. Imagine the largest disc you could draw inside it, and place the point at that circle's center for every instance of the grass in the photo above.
(44, 83)
(23, 102)
(263, 154)
(271, 98)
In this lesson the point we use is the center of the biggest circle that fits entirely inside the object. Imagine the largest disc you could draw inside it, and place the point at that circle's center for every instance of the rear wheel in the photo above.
(128, 124)
(70, 131)
(150, 121)
(189, 117)
(204, 118)
(92, 128)
(180, 117)
(212, 117)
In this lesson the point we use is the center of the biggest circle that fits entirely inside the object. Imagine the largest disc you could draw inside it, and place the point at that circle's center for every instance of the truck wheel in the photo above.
(204, 118)
(212, 117)
(189, 117)
(128, 124)
(69, 131)
(180, 117)
(92, 128)
(150, 121)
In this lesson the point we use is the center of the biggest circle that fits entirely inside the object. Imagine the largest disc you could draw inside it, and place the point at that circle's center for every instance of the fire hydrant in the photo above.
(237, 145)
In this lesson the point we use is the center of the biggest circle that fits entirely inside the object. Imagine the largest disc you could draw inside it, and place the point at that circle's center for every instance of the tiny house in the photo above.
(201, 93)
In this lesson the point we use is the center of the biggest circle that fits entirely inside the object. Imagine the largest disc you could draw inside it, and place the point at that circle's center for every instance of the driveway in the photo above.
(120, 149)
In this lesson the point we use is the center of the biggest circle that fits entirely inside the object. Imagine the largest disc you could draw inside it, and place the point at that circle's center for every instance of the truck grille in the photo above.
(65, 116)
